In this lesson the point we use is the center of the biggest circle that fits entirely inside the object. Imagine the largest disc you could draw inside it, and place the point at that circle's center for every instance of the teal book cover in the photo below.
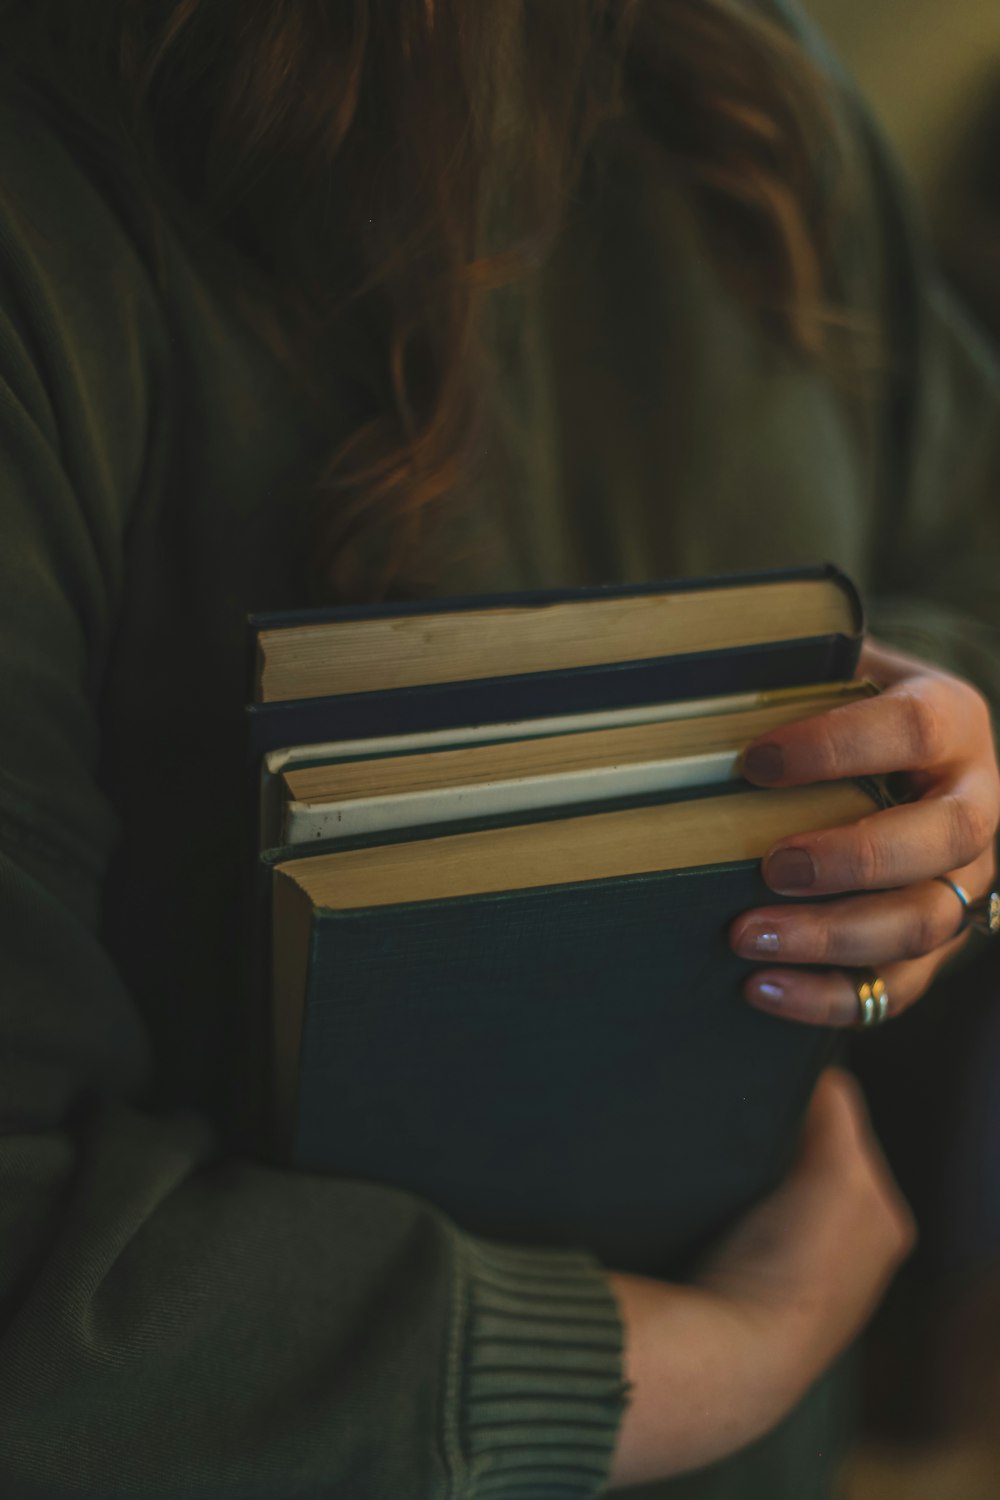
(568, 1064)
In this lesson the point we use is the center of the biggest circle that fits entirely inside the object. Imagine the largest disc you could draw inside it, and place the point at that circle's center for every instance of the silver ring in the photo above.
(873, 999)
(962, 895)
(983, 914)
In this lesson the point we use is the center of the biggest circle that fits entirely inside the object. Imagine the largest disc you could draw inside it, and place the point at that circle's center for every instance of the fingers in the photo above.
(900, 921)
(904, 935)
(860, 931)
(919, 724)
(827, 997)
(899, 846)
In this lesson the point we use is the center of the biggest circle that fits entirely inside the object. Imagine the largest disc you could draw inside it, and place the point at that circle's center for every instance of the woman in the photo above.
(351, 298)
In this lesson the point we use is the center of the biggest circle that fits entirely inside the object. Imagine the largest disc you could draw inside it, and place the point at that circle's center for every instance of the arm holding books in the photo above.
(716, 1364)
(180, 1318)
(176, 1318)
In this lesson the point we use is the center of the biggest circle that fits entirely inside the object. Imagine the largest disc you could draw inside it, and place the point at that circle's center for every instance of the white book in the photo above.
(305, 821)
(348, 789)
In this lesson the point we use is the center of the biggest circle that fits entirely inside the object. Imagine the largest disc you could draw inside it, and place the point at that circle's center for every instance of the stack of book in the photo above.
(500, 842)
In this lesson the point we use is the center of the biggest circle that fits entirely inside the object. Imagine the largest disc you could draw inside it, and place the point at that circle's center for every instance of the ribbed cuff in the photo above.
(536, 1391)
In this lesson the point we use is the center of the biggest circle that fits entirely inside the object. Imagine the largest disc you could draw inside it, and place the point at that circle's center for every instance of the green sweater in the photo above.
(179, 1320)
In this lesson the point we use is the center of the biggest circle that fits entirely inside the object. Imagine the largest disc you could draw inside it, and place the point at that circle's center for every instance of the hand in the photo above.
(717, 1364)
(933, 727)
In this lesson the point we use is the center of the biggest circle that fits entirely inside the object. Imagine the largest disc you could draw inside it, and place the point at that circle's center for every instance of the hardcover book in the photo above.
(539, 1028)
(612, 648)
(502, 842)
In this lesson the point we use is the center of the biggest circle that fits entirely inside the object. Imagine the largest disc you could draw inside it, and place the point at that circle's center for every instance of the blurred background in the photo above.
(931, 1410)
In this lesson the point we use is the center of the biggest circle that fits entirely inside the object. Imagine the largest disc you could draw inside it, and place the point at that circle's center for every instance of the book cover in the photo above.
(568, 1063)
(567, 1066)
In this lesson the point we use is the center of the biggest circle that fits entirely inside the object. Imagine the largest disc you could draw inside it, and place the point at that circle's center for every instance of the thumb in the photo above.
(837, 1124)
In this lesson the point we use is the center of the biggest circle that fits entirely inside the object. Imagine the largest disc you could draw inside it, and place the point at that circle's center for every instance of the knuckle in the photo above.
(822, 940)
(866, 858)
(925, 931)
(925, 728)
(970, 828)
(825, 749)
(829, 1011)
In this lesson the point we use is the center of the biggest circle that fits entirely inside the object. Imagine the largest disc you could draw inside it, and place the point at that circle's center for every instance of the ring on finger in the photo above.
(873, 999)
(982, 914)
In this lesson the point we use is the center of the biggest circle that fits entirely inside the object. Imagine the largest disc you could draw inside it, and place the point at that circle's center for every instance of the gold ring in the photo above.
(873, 1000)
(984, 914)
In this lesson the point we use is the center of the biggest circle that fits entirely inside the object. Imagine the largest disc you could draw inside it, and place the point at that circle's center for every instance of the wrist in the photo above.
(792, 1339)
(691, 1354)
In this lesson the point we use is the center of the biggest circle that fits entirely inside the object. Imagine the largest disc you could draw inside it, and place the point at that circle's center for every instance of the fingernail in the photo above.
(752, 938)
(789, 870)
(770, 993)
(764, 763)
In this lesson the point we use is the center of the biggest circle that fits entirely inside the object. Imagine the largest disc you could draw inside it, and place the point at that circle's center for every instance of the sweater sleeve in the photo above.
(174, 1320)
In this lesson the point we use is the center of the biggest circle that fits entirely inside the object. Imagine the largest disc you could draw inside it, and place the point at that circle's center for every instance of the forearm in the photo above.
(702, 1383)
(716, 1364)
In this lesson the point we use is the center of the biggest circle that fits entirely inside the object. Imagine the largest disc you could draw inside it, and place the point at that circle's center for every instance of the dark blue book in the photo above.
(538, 1026)
(362, 672)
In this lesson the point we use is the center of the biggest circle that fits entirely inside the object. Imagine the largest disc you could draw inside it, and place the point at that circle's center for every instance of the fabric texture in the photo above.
(179, 1319)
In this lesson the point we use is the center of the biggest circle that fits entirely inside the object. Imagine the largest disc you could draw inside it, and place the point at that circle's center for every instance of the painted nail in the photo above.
(772, 994)
(764, 763)
(766, 942)
(790, 870)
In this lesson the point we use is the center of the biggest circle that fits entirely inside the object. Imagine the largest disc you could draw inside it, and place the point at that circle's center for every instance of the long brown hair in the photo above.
(379, 166)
